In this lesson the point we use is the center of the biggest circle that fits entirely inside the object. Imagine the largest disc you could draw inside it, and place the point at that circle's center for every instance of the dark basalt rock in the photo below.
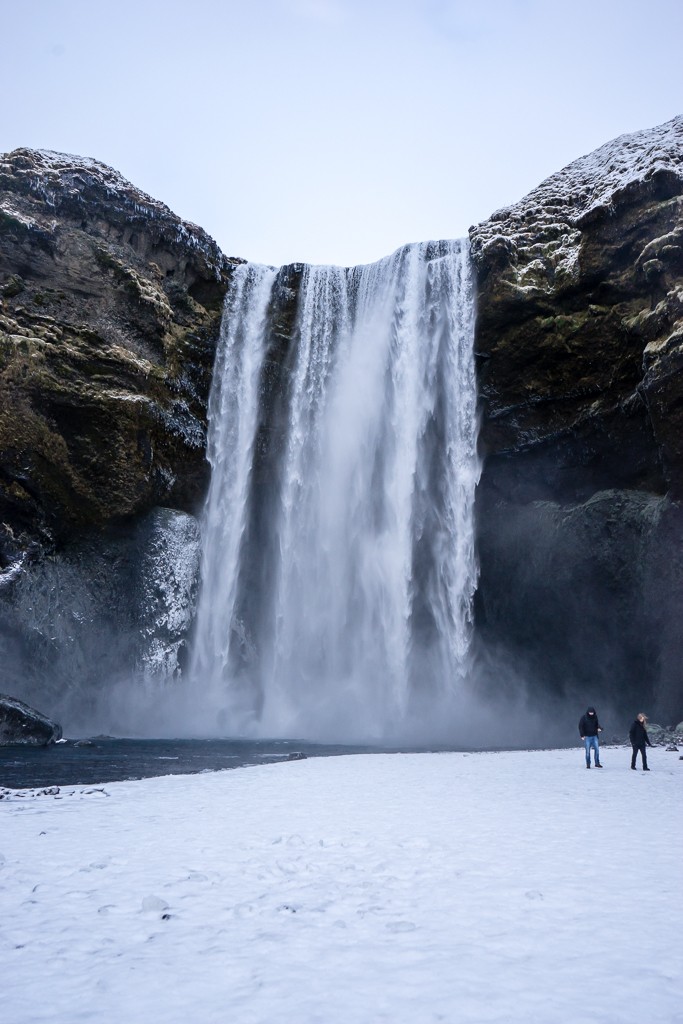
(580, 346)
(110, 308)
(580, 324)
(20, 723)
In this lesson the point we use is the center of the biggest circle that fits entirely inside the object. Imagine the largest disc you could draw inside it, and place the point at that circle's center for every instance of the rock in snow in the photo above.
(20, 723)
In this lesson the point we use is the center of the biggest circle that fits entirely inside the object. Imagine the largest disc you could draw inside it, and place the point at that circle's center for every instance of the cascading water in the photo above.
(338, 548)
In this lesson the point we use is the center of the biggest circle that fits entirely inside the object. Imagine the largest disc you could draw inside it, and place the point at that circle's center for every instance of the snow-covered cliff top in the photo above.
(595, 179)
(540, 235)
(62, 178)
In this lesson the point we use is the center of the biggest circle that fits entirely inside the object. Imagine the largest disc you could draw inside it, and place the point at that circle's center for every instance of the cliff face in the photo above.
(580, 348)
(110, 308)
(109, 313)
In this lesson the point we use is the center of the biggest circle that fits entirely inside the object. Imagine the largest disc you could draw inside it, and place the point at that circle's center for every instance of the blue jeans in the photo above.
(592, 741)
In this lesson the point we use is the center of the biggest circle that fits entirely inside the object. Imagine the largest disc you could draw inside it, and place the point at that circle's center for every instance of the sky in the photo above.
(370, 889)
(334, 131)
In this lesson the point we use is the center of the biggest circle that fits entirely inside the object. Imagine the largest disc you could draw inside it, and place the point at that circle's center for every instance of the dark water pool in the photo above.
(111, 759)
(106, 759)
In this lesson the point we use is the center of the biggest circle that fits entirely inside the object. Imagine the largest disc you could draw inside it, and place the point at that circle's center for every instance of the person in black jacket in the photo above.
(589, 727)
(639, 741)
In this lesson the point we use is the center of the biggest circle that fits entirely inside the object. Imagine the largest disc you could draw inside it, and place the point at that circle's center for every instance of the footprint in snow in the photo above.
(401, 926)
(293, 840)
(96, 866)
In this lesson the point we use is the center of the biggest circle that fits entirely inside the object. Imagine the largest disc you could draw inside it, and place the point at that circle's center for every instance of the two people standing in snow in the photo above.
(639, 741)
(589, 727)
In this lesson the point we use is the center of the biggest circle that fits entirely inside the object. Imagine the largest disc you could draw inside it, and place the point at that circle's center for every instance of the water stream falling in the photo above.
(338, 546)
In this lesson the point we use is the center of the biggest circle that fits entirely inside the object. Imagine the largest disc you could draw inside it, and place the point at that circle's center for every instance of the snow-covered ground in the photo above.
(484, 887)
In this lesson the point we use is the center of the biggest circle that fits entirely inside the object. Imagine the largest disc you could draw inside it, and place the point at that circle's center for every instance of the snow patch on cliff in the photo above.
(57, 177)
(540, 235)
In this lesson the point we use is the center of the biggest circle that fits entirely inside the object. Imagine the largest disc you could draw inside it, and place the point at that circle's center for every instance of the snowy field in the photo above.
(484, 887)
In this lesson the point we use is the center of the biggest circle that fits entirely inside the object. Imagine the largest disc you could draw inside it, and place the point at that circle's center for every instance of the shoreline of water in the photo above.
(100, 760)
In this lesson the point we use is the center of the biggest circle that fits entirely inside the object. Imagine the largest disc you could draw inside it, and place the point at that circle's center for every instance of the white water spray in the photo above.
(339, 564)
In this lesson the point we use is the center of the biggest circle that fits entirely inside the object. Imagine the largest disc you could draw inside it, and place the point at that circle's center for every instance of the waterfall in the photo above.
(232, 414)
(338, 545)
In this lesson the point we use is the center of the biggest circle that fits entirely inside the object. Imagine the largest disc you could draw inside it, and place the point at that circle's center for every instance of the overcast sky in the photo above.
(333, 131)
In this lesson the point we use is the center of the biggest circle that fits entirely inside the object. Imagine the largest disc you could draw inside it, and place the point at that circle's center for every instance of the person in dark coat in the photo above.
(639, 741)
(589, 728)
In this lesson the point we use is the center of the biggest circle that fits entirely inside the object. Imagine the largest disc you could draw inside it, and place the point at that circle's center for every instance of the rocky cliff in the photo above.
(110, 307)
(580, 350)
(109, 313)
